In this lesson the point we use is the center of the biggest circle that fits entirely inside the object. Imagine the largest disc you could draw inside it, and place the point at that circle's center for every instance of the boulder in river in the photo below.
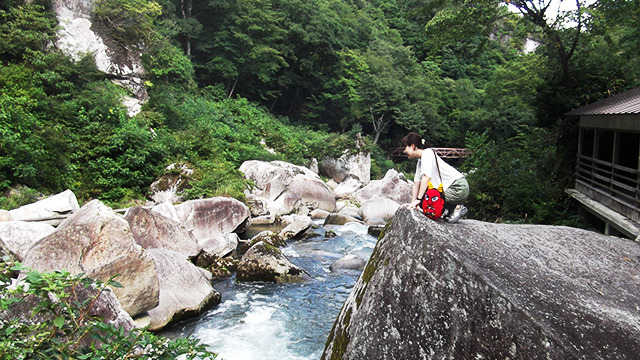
(217, 247)
(477, 290)
(381, 208)
(98, 242)
(339, 219)
(16, 237)
(185, 290)
(207, 218)
(296, 225)
(348, 262)
(393, 186)
(154, 231)
(286, 186)
(264, 262)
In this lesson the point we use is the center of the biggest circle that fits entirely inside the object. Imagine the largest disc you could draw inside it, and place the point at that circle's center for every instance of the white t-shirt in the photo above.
(427, 166)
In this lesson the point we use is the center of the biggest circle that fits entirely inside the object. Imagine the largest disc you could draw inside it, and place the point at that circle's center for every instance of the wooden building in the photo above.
(607, 177)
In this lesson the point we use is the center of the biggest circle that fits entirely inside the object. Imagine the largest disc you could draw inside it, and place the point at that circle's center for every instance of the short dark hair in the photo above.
(414, 139)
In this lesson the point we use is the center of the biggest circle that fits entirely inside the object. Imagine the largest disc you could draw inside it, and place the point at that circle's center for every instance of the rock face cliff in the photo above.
(475, 290)
(78, 37)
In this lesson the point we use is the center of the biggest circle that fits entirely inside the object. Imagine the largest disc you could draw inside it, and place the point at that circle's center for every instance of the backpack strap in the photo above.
(441, 187)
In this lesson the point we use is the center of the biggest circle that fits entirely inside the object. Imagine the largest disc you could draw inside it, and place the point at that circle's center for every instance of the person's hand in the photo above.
(412, 205)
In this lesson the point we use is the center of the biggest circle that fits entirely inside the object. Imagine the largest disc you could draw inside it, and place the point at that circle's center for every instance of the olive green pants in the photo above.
(457, 193)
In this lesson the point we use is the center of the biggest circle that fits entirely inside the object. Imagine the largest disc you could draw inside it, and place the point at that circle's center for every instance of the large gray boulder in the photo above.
(216, 248)
(356, 165)
(393, 186)
(18, 236)
(286, 186)
(263, 262)
(347, 187)
(52, 209)
(98, 242)
(154, 231)
(185, 290)
(475, 290)
(378, 208)
(295, 226)
(207, 218)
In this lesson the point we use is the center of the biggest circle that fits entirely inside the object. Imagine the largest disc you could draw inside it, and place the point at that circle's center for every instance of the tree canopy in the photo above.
(225, 77)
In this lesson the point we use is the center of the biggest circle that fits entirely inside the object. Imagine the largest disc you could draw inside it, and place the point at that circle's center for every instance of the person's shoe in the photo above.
(458, 214)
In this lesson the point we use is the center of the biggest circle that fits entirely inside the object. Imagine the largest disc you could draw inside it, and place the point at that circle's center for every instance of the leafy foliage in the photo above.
(234, 80)
(129, 22)
(61, 323)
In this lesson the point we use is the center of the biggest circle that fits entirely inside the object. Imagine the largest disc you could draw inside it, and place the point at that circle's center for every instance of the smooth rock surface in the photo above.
(296, 225)
(217, 247)
(154, 231)
(393, 186)
(348, 262)
(378, 208)
(357, 165)
(475, 290)
(207, 218)
(339, 219)
(18, 236)
(285, 187)
(185, 290)
(53, 208)
(98, 242)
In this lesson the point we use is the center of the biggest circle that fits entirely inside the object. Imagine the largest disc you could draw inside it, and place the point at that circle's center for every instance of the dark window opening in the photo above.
(605, 146)
(586, 147)
(628, 148)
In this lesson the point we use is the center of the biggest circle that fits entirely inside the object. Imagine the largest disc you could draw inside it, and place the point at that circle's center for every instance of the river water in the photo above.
(284, 321)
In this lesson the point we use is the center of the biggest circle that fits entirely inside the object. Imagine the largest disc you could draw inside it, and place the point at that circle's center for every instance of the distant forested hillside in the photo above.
(304, 77)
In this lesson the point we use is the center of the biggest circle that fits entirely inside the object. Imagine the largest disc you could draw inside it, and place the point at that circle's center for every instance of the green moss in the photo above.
(339, 338)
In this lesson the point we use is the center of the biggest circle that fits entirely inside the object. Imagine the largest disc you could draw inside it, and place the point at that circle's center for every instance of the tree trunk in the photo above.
(186, 7)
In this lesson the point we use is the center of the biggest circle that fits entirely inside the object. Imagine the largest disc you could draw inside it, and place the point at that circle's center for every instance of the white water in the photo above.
(283, 321)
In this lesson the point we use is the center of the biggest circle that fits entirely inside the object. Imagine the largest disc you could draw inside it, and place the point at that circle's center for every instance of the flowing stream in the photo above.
(284, 321)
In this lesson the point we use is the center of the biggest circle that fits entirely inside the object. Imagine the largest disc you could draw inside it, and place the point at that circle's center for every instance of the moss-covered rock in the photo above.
(265, 262)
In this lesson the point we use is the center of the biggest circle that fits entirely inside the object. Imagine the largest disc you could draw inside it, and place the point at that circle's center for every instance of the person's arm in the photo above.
(414, 195)
(418, 191)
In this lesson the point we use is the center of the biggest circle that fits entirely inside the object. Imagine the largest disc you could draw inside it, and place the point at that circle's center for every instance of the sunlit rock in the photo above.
(52, 210)
(393, 186)
(154, 231)
(263, 262)
(18, 236)
(98, 242)
(185, 290)
(476, 290)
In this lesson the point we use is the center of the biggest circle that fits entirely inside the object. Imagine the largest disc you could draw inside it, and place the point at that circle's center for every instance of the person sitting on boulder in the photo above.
(432, 169)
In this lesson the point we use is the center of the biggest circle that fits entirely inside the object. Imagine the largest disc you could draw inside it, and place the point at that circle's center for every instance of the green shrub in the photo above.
(512, 181)
(61, 325)
(127, 21)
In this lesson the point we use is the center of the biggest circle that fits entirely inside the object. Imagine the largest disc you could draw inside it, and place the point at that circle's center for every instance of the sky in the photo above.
(559, 6)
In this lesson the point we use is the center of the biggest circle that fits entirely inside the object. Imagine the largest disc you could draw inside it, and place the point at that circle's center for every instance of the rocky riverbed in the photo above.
(167, 255)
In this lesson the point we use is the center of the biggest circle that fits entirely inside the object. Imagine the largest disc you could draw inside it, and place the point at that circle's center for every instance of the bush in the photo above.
(512, 181)
(61, 325)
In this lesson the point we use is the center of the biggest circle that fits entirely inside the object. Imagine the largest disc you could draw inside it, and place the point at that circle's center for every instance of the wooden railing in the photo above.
(450, 153)
(620, 183)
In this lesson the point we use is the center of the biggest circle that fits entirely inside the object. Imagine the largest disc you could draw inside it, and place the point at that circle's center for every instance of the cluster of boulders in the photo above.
(166, 255)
